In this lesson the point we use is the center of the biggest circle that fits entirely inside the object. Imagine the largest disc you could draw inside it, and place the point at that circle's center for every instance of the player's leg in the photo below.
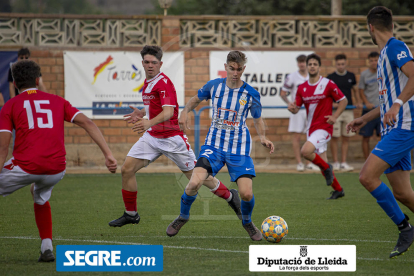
(41, 192)
(208, 164)
(389, 156)
(334, 143)
(143, 152)
(296, 127)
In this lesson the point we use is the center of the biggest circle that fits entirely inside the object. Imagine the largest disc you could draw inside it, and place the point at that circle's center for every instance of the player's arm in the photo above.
(144, 124)
(390, 118)
(135, 115)
(357, 96)
(5, 138)
(358, 123)
(12, 92)
(42, 85)
(260, 128)
(284, 96)
(331, 119)
(96, 135)
(190, 106)
(1, 100)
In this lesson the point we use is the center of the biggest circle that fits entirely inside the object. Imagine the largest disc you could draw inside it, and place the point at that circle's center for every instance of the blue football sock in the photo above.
(246, 210)
(387, 201)
(186, 202)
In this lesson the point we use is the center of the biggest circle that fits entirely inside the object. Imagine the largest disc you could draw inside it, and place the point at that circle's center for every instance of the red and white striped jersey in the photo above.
(318, 99)
(158, 92)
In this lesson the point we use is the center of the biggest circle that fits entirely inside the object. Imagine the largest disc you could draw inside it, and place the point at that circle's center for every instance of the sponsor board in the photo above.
(302, 258)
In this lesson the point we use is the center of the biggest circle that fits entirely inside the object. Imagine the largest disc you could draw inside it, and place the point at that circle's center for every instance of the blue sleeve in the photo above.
(399, 54)
(256, 107)
(204, 92)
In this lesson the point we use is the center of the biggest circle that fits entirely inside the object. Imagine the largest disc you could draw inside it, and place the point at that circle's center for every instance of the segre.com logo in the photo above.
(109, 258)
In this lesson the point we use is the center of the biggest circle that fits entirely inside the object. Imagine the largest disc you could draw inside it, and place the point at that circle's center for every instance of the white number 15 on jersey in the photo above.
(40, 122)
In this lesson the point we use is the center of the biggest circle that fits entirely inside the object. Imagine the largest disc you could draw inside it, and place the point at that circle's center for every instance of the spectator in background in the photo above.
(23, 53)
(346, 81)
(368, 90)
(297, 122)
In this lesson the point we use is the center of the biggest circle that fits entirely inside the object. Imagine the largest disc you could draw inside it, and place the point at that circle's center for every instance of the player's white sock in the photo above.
(46, 244)
(131, 213)
(230, 197)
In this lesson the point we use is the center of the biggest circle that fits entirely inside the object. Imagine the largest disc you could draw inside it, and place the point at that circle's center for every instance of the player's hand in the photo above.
(268, 144)
(134, 116)
(330, 119)
(183, 121)
(141, 126)
(111, 163)
(390, 118)
(293, 108)
(369, 106)
(355, 125)
(359, 105)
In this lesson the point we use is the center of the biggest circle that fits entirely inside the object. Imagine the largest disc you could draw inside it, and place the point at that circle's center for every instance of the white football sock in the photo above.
(131, 213)
(46, 244)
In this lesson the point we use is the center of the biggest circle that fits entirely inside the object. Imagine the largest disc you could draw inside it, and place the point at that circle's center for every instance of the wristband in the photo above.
(399, 102)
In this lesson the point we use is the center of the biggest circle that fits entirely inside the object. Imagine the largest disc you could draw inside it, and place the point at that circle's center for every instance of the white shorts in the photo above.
(13, 178)
(176, 148)
(297, 122)
(320, 138)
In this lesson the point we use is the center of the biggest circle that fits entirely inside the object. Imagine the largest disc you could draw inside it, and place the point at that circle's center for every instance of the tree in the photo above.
(277, 7)
(54, 6)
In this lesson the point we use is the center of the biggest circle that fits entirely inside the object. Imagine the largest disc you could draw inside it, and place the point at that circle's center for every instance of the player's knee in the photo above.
(365, 179)
(402, 197)
(193, 186)
(246, 195)
(127, 170)
(305, 153)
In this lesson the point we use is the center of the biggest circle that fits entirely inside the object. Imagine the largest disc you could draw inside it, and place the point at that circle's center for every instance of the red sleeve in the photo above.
(167, 93)
(70, 111)
(6, 122)
(335, 92)
(299, 100)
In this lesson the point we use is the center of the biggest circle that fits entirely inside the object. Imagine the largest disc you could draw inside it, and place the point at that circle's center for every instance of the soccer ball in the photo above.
(274, 229)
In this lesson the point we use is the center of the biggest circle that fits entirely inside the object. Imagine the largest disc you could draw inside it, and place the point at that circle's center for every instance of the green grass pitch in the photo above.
(82, 206)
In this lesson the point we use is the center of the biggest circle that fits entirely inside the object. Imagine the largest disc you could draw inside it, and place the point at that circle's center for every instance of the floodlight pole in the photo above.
(336, 7)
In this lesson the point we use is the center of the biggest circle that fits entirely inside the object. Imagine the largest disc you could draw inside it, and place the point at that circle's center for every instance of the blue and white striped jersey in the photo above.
(391, 82)
(228, 131)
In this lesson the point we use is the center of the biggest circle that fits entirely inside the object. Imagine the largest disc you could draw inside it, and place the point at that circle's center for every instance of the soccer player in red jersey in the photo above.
(318, 94)
(39, 150)
(162, 136)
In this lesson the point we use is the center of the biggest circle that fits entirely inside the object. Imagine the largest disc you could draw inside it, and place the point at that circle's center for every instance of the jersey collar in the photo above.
(148, 81)
(316, 83)
(28, 90)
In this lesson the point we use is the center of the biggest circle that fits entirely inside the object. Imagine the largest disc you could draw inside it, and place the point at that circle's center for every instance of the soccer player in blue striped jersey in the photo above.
(396, 108)
(228, 140)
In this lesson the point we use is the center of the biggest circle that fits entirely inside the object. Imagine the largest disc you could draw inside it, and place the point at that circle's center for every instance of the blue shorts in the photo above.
(237, 165)
(394, 148)
(370, 127)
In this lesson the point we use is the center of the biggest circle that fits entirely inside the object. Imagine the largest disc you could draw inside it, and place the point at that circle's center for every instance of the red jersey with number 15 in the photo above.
(318, 99)
(158, 92)
(38, 119)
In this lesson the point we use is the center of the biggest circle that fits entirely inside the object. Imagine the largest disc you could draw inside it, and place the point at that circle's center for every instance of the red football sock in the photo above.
(222, 191)
(335, 185)
(130, 200)
(318, 161)
(43, 217)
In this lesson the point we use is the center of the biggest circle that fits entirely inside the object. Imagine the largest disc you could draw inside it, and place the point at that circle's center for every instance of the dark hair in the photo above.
(381, 18)
(340, 56)
(301, 58)
(25, 72)
(153, 51)
(373, 55)
(23, 52)
(314, 56)
(237, 57)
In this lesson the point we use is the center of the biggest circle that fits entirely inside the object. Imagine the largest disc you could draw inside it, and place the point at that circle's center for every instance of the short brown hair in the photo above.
(153, 51)
(340, 56)
(381, 18)
(313, 56)
(301, 58)
(237, 57)
(25, 72)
